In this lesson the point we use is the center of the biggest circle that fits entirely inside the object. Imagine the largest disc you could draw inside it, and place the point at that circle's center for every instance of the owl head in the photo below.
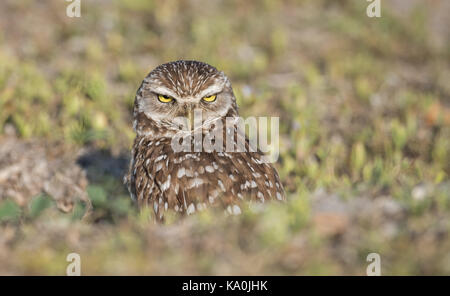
(181, 89)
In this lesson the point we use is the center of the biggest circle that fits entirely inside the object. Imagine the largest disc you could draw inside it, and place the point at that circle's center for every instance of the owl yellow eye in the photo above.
(165, 99)
(210, 98)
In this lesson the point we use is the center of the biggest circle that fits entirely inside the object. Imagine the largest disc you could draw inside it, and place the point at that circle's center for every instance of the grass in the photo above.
(364, 121)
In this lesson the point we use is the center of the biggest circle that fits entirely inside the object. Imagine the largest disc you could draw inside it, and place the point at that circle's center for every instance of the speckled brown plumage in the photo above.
(186, 182)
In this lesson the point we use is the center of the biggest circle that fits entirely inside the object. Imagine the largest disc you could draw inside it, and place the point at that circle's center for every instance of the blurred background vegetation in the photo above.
(365, 134)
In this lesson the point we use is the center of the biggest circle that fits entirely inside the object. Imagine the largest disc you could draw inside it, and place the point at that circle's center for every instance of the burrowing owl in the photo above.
(193, 179)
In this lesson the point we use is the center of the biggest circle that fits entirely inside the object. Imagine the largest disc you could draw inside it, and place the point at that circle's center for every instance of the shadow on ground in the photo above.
(100, 162)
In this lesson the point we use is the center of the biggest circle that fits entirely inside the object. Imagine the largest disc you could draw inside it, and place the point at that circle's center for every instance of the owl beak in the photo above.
(190, 116)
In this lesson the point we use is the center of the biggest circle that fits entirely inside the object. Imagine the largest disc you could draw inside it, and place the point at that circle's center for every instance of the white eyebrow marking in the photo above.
(211, 90)
(162, 90)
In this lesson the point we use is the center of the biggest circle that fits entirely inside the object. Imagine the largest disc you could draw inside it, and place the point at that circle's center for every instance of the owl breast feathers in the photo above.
(187, 180)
